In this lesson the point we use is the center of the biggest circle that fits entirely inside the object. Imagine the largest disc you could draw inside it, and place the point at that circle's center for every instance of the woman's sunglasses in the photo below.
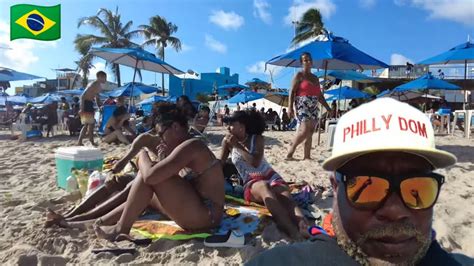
(369, 192)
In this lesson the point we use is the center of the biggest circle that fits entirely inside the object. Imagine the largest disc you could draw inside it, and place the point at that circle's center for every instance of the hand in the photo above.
(231, 140)
(162, 151)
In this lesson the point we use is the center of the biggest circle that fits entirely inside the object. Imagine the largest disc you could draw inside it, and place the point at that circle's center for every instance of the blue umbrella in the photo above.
(245, 96)
(463, 53)
(46, 98)
(7, 74)
(331, 53)
(383, 93)
(136, 58)
(426, 82)
(225, 89)
(136, 88)
(75, 92)
(347, 75)
(345, 92)
(256, 81)
(157, 98)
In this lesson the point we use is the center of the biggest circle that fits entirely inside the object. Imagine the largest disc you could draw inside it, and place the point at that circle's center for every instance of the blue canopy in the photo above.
(256, 81)
(45, 99)
(245, 96)
(346, 75)
(224, 89)
(346, 92)
(74, 92)
(157, 98)
(15, 99)
(463, 53)
(135, 58)
(383, 93)
(136, 88)
(7, 74)
(426, 82)
(329, 52)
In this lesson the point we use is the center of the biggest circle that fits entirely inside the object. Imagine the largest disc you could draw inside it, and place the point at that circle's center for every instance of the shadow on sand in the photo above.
(465, 154)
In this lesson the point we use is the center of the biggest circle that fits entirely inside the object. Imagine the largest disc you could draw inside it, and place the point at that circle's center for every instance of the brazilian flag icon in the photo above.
(35, 22)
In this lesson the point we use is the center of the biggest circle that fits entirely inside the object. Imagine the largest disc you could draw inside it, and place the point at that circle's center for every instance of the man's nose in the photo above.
(393, 209)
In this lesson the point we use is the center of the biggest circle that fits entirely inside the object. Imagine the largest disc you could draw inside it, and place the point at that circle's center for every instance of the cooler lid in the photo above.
(79, 153)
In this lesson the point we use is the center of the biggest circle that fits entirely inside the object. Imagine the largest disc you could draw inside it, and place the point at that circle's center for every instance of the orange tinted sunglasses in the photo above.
(369, 192)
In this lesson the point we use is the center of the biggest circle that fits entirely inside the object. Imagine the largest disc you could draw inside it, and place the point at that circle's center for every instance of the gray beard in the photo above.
(353, 249)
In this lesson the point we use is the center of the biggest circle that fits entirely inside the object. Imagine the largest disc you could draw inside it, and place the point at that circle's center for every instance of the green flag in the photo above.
(35, 22)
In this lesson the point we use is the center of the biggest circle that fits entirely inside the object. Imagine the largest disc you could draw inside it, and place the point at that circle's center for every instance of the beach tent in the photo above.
(45, 98)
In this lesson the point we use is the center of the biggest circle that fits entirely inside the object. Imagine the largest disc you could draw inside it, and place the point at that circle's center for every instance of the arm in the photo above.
(144, 140)
(254, 158)
(224, 151)
(292, 95)
(179, 158)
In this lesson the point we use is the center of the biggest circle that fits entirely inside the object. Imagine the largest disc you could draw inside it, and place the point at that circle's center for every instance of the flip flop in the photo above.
(136, 241)
(231, 240)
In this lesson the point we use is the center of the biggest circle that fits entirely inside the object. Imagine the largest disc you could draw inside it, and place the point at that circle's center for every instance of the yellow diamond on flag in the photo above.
(35, 22)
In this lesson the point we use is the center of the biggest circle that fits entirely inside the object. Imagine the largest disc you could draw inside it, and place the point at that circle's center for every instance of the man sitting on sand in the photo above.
(385, 189)
(87, 111)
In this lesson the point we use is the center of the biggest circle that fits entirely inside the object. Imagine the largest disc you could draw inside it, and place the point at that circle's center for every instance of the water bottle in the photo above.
(71, 184)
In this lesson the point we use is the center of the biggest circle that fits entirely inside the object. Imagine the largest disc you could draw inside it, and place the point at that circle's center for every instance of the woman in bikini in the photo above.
(245, 145)
(304, 97)
(187, 185)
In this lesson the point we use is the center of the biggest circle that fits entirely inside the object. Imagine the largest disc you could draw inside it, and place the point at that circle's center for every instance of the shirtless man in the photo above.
(87, 110)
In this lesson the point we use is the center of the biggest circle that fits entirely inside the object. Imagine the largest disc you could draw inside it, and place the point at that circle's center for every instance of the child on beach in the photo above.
(245, 144)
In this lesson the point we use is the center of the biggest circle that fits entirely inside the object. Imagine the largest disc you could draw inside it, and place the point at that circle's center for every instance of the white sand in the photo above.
(27, 187)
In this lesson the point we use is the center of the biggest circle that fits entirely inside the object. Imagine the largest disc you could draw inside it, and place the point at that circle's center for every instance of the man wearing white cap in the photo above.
(382, 161)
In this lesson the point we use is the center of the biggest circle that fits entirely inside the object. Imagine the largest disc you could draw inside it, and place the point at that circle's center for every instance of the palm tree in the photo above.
(159, 34)
(310, 25)
(114, 34)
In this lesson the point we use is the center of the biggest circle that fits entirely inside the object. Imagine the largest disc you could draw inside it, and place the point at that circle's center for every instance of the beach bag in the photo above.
(96, 179)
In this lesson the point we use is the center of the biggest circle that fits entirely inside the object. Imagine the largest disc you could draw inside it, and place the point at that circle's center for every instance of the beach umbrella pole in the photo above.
(464, 94)
(133, 85)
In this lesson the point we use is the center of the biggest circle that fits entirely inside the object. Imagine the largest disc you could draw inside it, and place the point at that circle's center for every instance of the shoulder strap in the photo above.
(252, 144)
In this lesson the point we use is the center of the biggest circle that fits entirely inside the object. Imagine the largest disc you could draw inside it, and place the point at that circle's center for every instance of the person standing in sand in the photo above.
(87, 110)
(304, 97)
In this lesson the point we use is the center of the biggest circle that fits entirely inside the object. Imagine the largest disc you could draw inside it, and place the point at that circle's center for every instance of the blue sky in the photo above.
(242, 34)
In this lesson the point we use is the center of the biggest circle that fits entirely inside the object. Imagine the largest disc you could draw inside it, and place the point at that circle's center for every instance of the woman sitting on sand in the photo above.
(245, 145)
(194, 199)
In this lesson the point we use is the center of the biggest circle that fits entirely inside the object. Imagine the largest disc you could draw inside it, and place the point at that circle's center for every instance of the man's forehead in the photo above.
(387, 162)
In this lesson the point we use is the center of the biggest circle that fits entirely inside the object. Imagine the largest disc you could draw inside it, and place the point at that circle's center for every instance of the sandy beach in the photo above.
(27, 188)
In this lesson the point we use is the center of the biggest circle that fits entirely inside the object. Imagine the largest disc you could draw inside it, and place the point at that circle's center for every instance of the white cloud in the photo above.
(461, 11)
(186, 48)
(261, 10)
(19, 54)
(215, 45)
(259, 68)
(368, 3)
(297, 9)
(226, 20)
(398, 59)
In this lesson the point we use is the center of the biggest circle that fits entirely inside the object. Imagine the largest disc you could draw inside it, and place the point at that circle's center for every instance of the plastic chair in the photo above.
(107, 113)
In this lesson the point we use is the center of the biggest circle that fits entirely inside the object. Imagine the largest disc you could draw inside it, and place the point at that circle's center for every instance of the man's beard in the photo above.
(354, 250)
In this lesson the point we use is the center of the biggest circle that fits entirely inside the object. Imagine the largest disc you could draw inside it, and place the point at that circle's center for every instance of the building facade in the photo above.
(203, 83)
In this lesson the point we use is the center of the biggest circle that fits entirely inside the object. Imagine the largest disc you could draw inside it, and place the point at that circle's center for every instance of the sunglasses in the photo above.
(367, 192)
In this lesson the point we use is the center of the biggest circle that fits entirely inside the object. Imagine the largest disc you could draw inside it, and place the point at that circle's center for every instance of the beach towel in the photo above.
(238, 216)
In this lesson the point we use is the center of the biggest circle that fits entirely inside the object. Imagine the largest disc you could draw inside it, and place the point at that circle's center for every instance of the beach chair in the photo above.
(107, 112)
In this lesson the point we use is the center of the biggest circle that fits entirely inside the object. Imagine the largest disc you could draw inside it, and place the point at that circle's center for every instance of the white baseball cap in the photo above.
(385, 124)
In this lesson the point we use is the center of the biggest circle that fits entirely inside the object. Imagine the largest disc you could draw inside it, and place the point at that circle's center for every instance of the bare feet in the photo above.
(52, 218)
(109, 232)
